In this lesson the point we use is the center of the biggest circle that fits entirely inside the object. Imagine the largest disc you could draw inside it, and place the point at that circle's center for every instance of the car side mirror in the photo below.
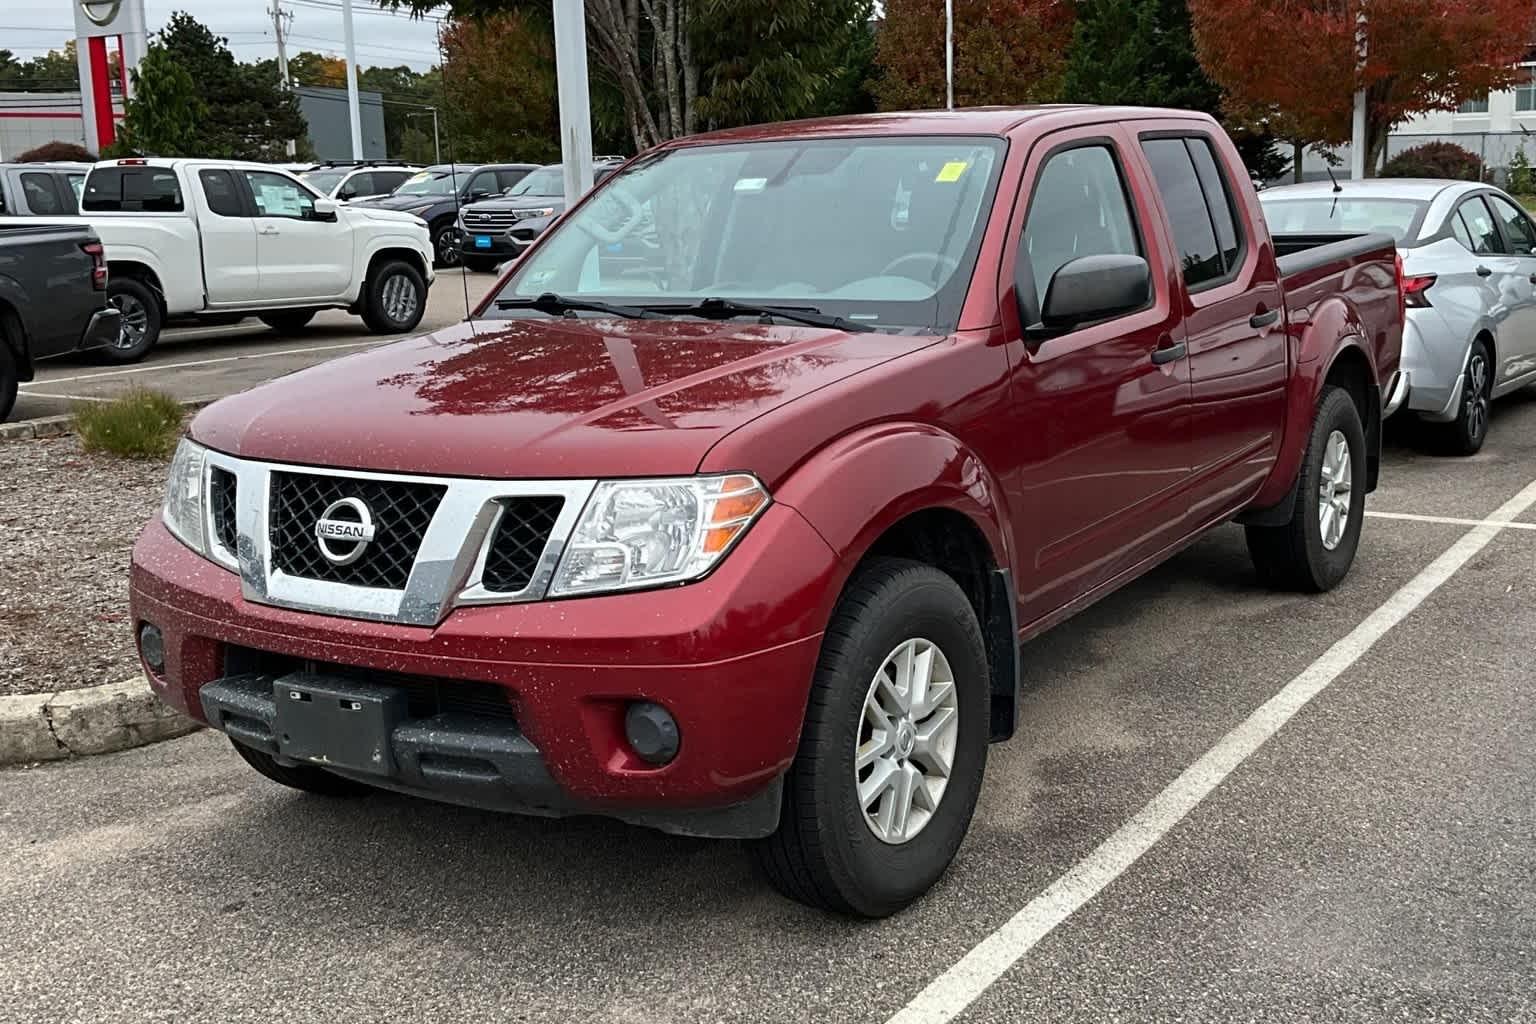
(1093, 288)
(325, 209)
(479, 194)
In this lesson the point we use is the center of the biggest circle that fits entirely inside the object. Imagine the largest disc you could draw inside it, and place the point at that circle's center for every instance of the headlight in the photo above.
(544, 211)
(641, 533)
(417, 211)
(184, 505)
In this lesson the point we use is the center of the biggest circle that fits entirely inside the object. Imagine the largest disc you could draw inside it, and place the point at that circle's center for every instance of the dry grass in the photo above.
(141, 424)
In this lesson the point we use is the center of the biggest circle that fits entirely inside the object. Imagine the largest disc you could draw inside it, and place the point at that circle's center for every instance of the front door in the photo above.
(301, 257)
(1101, 412)
(1517, 338)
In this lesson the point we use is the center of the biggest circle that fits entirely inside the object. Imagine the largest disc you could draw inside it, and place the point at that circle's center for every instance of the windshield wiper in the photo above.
(556, 305)
(725, 309)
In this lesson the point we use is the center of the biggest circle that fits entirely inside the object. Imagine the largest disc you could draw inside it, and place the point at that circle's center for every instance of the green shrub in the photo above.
(1435, 160)
(140, 425)
(1521, 180)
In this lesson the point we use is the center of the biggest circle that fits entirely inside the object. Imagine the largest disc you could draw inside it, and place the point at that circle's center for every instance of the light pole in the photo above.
(575, 99)
(949, 54)
(437, 149)
(353, 114)
(1358, 140)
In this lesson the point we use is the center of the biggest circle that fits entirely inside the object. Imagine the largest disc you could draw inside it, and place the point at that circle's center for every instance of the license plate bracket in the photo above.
(482, 241)
(337, 723)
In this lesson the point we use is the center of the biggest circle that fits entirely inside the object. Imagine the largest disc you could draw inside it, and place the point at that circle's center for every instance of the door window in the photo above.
(1459, 229)
(42, 198)
(133, 189)
(360, 184)
(1479, 222)
(1218, 199)
(1518, 234)
(76, 187)
(509, 176)
(219, 190)
(280, 196)
(482, 185)
(1194, 233)
(385, 182)
(1079, 209)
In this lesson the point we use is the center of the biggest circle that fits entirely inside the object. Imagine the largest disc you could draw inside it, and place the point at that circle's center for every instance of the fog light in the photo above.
(651, 731)
(152, 647)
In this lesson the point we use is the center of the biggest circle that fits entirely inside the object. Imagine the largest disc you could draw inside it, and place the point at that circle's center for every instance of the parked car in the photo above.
(41, 190)
(219, 239)
(492, 231)
(437, 193)
(53, 298)
(743, 543)
(1469, 260)
(348, 180)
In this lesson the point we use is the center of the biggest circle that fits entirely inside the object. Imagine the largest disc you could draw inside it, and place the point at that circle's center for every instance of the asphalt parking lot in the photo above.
(211, 362)
(1223, 805)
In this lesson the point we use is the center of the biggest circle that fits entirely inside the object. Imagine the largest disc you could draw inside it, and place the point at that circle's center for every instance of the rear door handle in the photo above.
(1169, 354)
(1484, 271)
(1259, 320)
(1533, 279)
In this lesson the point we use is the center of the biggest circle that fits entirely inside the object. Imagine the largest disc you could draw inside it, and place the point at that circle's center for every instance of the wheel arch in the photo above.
(389, 253)
(143, 273)
(1351, 370)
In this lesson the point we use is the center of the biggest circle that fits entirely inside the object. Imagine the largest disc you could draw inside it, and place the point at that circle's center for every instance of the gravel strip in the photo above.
(67, 523)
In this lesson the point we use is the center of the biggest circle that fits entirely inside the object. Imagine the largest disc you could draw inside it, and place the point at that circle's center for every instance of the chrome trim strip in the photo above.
(448, 567)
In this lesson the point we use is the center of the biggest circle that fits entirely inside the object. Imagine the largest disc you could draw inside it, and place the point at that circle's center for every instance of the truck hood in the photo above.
(399, 202)
(381, 216)
(534, 398)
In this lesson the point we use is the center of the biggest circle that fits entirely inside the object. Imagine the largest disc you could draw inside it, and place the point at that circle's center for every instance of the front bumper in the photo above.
(499, 245)
(731, 657)
(102, 330)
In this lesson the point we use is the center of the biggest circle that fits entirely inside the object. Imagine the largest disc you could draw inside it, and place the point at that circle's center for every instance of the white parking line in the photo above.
(205, 362)
(1452, 520)
(950, 993)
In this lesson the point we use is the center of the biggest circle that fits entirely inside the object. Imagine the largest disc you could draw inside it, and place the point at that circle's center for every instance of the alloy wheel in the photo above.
(134, 322)
(1477, 396)
(1334, 490)
(906, 742)
(399, 298)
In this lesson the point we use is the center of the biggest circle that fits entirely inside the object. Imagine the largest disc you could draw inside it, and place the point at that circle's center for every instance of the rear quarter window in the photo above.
(132, 189)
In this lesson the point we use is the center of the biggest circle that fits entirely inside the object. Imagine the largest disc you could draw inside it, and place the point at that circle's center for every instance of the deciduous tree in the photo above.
(499, 83)
(1299, 58)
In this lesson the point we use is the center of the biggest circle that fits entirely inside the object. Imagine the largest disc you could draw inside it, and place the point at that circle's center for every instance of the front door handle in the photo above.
(269, 230)
(1169, 354)
(1484, 271)
(1259, 320)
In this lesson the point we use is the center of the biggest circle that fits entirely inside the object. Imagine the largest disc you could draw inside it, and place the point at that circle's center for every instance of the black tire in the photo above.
(288, 321)
(1294, 556)
(481, 265)
(1466, 433)
(9, 379)
(824, 853)
(304, 777)
(445, 244)
(381, 319)
(142, 320)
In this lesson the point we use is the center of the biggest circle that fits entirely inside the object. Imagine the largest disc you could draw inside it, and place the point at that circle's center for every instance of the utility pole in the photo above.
(575, 98)
(949, 54)
(1358, 141)
(352, 111)
(280, 30)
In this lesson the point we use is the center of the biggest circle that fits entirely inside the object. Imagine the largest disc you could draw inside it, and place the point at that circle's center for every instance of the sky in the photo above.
(32, 27)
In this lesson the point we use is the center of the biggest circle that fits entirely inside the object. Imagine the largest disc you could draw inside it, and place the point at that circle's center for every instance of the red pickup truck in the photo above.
(728, 510)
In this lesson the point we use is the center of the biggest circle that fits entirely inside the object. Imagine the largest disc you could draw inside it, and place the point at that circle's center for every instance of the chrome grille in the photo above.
(519, 542)
(488, 220)
(221, 500)
(401, 512)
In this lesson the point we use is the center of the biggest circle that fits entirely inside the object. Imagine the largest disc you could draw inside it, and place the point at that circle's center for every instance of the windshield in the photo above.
(1332, 214)
(881, 231)
(430, 183)
(324, 181)
(546, 181)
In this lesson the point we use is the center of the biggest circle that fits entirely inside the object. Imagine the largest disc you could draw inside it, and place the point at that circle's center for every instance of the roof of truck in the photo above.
(965, 121)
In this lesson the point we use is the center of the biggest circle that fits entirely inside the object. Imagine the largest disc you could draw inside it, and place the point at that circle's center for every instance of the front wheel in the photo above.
(893, 747)
(394, 298)
(139, 329)
(445, 245)
(1314, 551)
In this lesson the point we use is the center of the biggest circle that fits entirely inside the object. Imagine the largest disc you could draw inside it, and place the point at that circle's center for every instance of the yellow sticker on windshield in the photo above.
(952, 170)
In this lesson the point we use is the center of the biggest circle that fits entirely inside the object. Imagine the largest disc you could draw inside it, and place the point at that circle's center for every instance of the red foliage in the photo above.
(1298, 58)
(50, 152)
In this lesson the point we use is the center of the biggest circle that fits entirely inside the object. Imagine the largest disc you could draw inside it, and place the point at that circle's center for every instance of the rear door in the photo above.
(231, 269)
(300, 256)
(1102, 428)
(1517, 339)
(1234, 305)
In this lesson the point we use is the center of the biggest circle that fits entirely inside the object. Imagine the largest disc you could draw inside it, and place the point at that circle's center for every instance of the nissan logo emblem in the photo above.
(100, 12)
(343, 539)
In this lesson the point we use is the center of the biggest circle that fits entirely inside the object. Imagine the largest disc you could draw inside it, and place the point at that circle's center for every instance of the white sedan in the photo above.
(1469, 263)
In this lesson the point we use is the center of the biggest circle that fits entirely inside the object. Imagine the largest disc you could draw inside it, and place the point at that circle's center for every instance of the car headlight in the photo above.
(543, 211)
(642, 533)
(184, 512)
(417, 211)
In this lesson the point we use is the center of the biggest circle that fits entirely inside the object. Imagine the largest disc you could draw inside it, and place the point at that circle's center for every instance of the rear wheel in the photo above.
(1314, 551)
(140, 327)
(394, 298)
(300, 776)
(1466, 433)
(892, 750)
(9, 379)
(289, 321)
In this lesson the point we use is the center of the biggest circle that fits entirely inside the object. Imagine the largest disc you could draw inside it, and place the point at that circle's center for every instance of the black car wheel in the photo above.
(445, 244)
(1466, 433)
(394, 298)
(140, 325)
(8, 377)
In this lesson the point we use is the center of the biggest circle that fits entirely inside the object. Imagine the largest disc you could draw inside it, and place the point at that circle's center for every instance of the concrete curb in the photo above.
(58, 426)
(93, 720)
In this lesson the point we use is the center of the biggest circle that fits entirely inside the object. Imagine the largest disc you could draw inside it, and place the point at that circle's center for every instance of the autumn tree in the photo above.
(499, 81)
(318, 69)
(1009, 52)
(1299, 59)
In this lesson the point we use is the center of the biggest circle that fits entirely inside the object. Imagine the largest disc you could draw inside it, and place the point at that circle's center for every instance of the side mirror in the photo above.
(479, 194)
(1093, 288)
(325, 209)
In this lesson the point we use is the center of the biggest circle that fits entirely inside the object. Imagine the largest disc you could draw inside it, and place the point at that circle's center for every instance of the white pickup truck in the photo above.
(214, 240)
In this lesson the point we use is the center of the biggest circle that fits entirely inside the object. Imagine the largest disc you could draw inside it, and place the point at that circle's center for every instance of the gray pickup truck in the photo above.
(41, 190)
(53, 298)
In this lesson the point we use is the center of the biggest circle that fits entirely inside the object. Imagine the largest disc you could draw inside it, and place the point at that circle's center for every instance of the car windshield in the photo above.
(546, 181)
(881, 231)
(1328, 214)
(324, 181)
(430, 183)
